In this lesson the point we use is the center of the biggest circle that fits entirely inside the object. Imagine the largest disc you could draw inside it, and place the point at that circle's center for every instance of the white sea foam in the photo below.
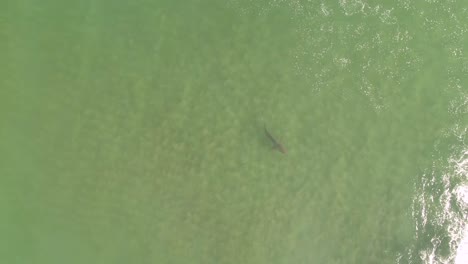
(440, 208)
(461, 194)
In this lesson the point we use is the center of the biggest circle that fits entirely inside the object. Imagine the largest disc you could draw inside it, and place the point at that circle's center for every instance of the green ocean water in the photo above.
(133, 131)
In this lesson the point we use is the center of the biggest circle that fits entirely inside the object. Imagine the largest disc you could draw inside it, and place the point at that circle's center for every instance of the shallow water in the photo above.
(134, 132)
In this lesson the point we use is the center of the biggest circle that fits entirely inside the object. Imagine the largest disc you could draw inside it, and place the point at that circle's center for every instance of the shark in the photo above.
(276, 144)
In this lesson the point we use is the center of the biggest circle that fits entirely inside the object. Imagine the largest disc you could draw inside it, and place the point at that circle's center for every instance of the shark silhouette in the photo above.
(277, 145)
